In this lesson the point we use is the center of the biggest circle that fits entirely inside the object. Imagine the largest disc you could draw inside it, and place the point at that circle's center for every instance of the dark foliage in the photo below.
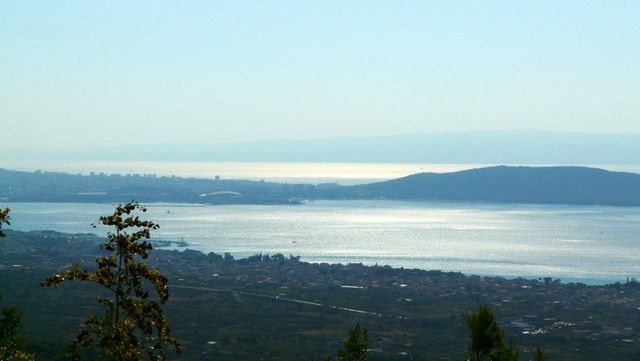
(133, 326)
(487, 338)
(356, 346)
(4, 218)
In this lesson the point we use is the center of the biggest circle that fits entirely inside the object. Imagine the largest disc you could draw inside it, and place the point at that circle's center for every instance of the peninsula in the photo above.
(500, 184)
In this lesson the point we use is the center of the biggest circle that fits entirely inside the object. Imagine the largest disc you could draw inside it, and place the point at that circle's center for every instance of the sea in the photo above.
(588, 244)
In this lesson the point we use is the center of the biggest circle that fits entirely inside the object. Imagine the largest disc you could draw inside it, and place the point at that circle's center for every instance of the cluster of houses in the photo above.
(544, 306)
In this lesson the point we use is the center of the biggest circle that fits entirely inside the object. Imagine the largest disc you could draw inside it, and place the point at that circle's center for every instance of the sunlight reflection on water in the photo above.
(587, 244)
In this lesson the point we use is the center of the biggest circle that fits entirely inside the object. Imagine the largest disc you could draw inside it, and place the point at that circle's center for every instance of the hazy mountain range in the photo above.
(477, 147)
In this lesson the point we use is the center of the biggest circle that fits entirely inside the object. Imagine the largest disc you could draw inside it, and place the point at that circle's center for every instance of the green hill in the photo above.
(540, 185)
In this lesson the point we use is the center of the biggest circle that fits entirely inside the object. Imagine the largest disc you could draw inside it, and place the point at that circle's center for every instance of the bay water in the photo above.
(594, 245)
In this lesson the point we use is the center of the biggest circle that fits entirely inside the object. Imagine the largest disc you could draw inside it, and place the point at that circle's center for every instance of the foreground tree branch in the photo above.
(133, 326)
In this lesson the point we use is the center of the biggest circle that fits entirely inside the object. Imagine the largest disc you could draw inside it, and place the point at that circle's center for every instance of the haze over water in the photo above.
(314, 173)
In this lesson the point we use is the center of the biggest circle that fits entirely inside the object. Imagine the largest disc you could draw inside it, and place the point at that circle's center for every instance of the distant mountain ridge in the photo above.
(502, 184)
(474, 147)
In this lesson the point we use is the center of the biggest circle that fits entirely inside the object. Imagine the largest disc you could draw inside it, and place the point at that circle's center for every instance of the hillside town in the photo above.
(533, 311)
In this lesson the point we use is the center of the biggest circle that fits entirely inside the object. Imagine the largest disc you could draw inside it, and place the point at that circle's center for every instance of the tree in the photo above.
(356, 346)
(133, 326)
(11, 320)
(10, 323)
(487, 338)
(9, 326)
(4, 218)
(538, 354)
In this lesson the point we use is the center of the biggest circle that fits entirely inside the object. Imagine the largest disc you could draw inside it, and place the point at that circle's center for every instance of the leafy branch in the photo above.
(133, 326)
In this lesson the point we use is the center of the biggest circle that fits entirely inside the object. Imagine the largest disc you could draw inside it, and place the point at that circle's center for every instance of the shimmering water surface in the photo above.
(594, 245)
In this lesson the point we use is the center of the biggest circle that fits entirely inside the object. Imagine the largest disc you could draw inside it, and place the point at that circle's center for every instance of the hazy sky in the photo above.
(76, 73)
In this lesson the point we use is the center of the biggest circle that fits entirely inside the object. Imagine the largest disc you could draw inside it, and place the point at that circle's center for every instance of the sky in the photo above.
(96, 73)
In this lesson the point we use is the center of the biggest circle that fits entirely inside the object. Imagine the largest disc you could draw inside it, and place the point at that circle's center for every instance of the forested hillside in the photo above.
(539, 185)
